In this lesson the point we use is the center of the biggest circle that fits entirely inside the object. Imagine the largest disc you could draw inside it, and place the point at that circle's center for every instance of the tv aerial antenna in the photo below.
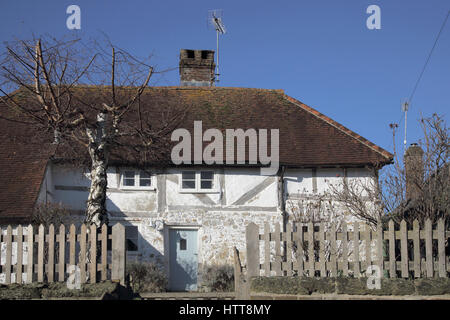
(405, 107)
(215, 20)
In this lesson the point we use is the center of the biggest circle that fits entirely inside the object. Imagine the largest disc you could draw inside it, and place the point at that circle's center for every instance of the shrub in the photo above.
(219, 278)
(146, 277)
(52, 213)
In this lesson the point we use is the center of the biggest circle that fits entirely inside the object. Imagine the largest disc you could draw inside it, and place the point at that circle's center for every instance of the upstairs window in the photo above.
(129, 178)
(188, 180)
(145, 179)
(198, 181)
(206, 180)
(136, 179)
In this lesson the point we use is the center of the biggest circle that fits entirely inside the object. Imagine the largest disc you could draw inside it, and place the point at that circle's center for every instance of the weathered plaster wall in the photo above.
(242, 196)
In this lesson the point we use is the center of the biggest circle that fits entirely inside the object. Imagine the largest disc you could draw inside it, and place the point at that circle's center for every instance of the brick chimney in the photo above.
(414, 171)
(197, 68)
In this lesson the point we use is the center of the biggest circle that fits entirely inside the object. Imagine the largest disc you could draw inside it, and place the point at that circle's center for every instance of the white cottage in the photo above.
(194, 213)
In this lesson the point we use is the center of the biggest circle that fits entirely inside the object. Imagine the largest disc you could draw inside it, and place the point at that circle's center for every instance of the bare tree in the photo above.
(415, 188)
(54, 94)
(318, 209)
(361, 198)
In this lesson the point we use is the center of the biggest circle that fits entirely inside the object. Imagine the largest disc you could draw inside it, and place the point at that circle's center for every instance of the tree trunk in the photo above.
(96, 204)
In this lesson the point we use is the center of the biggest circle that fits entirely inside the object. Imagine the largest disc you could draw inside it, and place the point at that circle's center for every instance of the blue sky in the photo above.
(320, 52)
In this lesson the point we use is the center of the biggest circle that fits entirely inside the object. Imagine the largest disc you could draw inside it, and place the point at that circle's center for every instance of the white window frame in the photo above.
(137, 174)
(197, 188)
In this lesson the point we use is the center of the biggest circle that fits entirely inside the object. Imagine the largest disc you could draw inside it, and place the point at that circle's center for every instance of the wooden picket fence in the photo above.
(52, 255)
(331, 252)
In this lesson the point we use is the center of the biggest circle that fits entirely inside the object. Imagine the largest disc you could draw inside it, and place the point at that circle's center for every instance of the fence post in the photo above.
(356, 267)
(62, 253)
(278, 258)
(51, 254)
(441, 248)
(333, 253)
(404, 249)
(82, 259)
(8, 262)
(252, 235)
(311, 257)
(429, 248)
(344, 250)
(41, 252)
(93, 254)
(416, 241)
(379, 245)
(240, 285)
(266, 249)
(104, 238)
(322, 262)
(118, 253)
(30, 260)
(19, 254)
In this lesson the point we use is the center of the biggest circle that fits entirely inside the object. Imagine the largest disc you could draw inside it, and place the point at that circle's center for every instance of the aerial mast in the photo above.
(405, 107)
(215, 20)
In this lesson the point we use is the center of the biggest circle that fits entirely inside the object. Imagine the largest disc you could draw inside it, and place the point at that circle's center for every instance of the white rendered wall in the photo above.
(220, 216)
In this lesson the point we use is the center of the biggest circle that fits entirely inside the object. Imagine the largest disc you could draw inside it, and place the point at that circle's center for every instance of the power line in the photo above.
(428, 59)
(408, 102)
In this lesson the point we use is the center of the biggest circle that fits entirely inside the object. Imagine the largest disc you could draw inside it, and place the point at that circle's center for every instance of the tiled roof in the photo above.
(23, 162)
(307, 137)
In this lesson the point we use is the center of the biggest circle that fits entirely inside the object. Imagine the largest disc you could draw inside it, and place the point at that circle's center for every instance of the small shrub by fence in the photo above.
(218, 278)
(34, 254)
(398, 253)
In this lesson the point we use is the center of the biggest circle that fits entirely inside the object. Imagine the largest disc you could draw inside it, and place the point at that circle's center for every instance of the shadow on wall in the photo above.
(138, 247)
(138, 233)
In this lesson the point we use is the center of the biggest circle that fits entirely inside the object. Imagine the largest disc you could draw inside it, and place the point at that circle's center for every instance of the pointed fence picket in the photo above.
(39, 254)
(313, 250)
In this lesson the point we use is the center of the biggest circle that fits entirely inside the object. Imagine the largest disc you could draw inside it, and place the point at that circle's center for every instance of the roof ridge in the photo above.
(215, 88)
(340, 127)
(94, 86)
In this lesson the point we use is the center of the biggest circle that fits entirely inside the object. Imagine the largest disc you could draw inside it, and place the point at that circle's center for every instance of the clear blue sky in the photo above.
(319, 52)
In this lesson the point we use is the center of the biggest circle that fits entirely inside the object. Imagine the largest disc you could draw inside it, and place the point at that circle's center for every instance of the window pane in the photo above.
(145, 175)
(188, 184)
(129, 174)
(128, 178)
(188, 175)
(208, 175)
(144, 179)
(145, 182)
(183, 244)
(206, 184)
